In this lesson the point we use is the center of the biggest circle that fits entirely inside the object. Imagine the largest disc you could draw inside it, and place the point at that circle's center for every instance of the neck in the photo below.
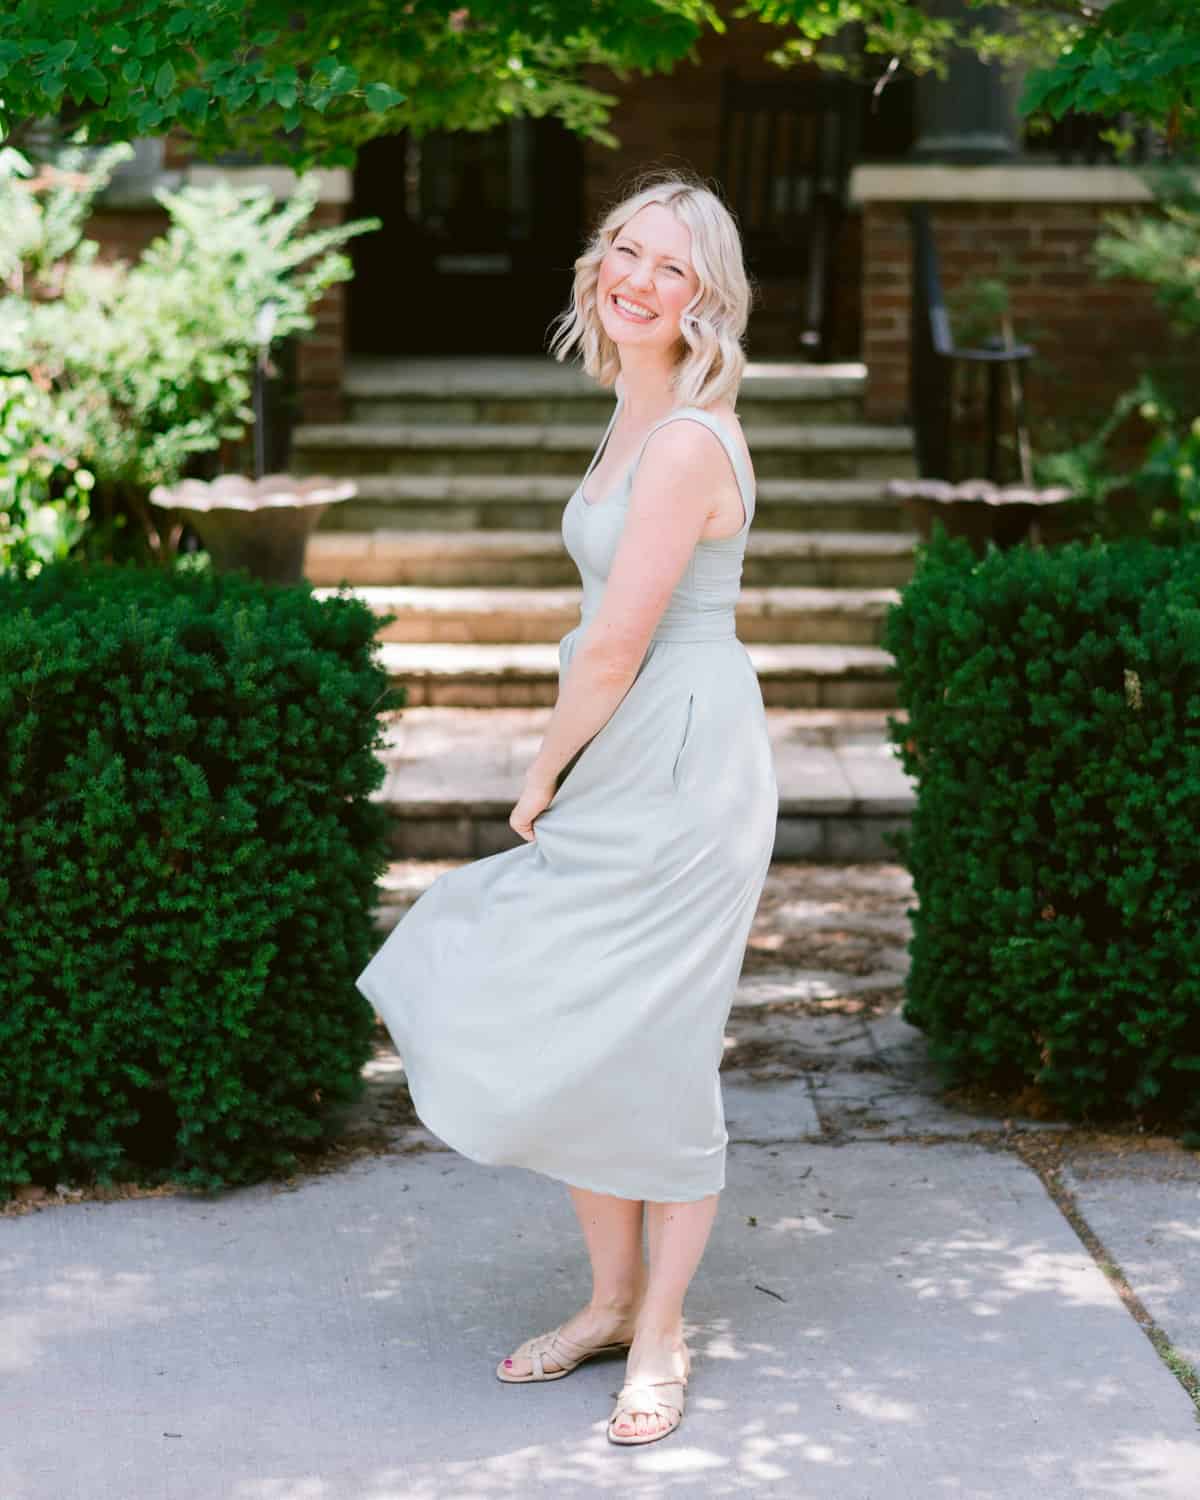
(646, 384)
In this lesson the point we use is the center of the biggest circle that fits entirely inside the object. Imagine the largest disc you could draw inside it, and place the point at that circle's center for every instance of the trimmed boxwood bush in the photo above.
(1053, 701)
(188, 856)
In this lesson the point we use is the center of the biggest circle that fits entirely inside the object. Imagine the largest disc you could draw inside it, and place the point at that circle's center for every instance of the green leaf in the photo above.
(342, 79)
(193, 103)
(132, 71)
(382, 96)
(95, 85)
(164, 80)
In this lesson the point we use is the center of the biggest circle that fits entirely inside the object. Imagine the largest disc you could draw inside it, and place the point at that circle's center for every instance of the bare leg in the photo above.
(612, 1228)
(678, 1234)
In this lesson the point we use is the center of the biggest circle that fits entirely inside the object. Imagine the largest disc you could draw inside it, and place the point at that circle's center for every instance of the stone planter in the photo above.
(983, 512)
(262, 524)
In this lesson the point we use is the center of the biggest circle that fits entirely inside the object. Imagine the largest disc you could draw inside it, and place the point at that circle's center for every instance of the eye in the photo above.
(626, 247)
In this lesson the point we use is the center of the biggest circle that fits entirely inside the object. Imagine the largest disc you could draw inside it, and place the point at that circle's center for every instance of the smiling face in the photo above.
(646, 280)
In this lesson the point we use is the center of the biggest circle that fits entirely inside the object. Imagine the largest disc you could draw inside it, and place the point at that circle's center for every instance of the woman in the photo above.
(561, 1005)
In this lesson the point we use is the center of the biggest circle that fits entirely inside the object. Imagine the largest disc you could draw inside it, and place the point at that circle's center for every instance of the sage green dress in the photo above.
(561, 1005)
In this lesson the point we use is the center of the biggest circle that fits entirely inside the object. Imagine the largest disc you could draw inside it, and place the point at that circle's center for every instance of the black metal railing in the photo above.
(935, 360)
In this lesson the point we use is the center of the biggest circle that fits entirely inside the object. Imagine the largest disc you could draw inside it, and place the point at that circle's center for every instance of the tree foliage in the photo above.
(312, 84)
(1142, 56)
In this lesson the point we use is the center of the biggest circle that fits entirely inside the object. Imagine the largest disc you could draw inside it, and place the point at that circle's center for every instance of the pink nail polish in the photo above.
(508, 1361)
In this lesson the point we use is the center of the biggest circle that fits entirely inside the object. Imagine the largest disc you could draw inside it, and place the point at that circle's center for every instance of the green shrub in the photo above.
(1161, 248)
(1155, 493)
(43, 488)
(188, 855)
(1053, 702)
(150, 365)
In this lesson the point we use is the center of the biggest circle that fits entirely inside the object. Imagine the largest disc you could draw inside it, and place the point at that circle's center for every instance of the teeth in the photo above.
(632, 307)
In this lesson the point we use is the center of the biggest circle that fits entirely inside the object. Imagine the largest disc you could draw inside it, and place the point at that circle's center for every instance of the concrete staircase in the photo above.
(463, 469)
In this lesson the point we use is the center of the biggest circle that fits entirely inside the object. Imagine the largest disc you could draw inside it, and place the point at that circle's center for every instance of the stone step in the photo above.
(454, 775)
(535, 502)
(533, 559)
(481, 390)
(526, 675)
(479, 616)
(783, 450)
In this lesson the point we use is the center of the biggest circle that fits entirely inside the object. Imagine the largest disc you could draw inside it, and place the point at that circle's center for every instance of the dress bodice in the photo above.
(701, 608)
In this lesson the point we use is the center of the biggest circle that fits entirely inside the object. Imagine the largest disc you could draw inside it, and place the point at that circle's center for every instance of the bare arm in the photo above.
(668, 509)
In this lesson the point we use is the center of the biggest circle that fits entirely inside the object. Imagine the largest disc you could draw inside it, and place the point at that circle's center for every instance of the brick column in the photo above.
(1033, 227)
(321, 354)
(886, 292)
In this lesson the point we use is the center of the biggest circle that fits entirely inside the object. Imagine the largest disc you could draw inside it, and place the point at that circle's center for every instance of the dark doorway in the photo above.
(480, 230)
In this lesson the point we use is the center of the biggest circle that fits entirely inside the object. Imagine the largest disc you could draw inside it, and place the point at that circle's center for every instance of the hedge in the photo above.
(188, 858)
(1053, 726)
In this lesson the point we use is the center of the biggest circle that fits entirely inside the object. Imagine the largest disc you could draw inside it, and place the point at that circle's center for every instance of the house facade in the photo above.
(480, 229)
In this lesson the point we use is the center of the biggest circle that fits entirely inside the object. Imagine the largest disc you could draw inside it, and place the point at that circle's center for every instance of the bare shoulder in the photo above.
(694, 442)
(731, 424)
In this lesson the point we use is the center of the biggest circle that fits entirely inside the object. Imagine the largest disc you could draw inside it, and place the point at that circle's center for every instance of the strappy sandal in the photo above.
(555, 1344)
(637, 1396)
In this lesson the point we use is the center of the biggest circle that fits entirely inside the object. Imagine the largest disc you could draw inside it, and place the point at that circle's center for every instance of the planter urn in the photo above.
(983, 512)
(262, 525)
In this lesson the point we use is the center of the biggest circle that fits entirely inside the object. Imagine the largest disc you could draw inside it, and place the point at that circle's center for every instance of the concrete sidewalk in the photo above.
(892, 1304)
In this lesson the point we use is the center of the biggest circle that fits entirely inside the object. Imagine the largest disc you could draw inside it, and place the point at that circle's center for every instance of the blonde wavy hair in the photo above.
(711, 360)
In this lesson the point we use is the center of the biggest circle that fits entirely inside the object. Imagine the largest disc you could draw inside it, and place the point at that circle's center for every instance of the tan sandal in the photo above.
(555, 1344)
(637, 1396)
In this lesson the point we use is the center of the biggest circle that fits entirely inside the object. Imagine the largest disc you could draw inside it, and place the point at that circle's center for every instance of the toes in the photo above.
(641, 1424)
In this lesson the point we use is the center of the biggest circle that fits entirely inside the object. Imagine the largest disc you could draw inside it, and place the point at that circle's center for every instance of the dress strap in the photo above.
(603, 443)
(706, 419)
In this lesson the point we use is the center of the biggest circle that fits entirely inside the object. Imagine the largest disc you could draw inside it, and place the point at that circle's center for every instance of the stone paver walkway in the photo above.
(907, 1293)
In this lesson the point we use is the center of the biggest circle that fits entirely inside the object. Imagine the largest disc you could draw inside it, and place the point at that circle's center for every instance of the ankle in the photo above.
(624, 1305)
(660, 1330)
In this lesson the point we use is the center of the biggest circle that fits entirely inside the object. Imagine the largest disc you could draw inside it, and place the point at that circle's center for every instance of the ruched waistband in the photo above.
(715, 625)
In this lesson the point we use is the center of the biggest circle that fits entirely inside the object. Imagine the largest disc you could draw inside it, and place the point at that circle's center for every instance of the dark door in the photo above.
(480, 229)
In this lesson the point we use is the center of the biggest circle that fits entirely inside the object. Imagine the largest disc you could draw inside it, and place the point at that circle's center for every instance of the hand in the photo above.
(535, 797)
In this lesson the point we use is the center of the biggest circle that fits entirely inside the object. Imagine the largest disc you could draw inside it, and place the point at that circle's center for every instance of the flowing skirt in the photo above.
(561, 1005)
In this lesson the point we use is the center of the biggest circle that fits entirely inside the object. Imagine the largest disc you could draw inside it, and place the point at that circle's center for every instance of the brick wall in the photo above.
(124, 233)
(1092, 337)
(321, 355)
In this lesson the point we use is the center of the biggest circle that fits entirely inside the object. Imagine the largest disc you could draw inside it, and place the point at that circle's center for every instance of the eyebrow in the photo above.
(679, 261)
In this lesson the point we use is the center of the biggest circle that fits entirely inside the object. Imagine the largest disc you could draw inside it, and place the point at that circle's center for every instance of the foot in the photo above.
(657, 1356)
(589, 1326)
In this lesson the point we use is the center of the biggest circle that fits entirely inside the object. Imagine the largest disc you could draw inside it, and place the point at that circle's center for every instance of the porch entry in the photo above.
(478, 239)
(481, 229)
